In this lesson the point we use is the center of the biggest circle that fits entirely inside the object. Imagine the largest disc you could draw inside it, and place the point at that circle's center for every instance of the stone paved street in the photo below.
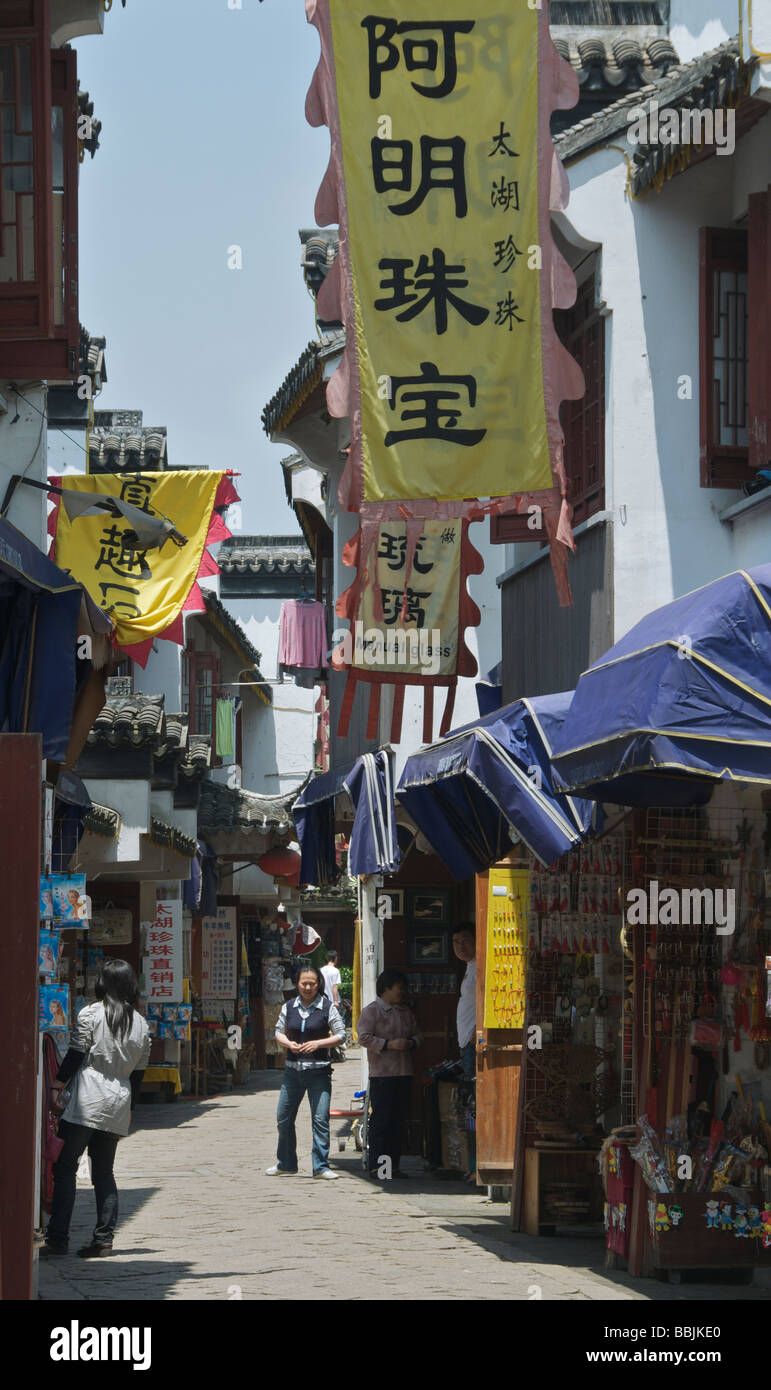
(201, 1220)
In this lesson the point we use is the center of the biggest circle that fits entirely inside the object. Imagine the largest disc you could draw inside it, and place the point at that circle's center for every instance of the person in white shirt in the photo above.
(465, 948)
(332, 978)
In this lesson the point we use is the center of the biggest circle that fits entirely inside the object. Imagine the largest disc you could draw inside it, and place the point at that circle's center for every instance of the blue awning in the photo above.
(682, 702)
(489, 784)
(374, 848)
(39, 610)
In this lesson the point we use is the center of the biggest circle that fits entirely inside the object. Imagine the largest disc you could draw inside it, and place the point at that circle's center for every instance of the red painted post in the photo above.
(20, 823)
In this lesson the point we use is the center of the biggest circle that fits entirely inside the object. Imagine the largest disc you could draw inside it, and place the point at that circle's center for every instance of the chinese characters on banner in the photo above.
(219, 962)
(442, 178)
(163, 953)
(144, 591)
(411, 633)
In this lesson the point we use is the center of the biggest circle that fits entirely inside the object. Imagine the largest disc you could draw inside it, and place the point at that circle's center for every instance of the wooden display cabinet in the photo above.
(555, 1181)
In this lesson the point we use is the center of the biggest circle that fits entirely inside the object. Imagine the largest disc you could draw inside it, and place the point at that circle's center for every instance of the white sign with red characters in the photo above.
(163, 961)
(219, 964)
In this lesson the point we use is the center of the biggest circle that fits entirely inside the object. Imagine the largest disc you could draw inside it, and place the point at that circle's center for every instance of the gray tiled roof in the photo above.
(133, 719)
(196, 759)
(706, 81)
(130, 448)
(320, 246)
(603, 14)
(230, 809)
(161, 833)
(92, 361)
(102, 820)
(616, 64)
(307, 372)
(140, 721)
(265, 555)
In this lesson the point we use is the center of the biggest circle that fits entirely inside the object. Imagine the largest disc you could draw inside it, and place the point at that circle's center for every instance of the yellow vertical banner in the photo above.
(439, 127)
(508, 901)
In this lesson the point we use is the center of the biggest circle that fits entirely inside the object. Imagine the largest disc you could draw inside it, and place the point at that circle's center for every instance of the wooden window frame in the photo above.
(579, 328)
(759, 349)
(721, 465)
(193, 662)
(32, 344)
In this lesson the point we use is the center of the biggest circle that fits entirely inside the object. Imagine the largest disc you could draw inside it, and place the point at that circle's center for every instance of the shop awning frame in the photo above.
(681, 703)
(374, 848)
(489, 785)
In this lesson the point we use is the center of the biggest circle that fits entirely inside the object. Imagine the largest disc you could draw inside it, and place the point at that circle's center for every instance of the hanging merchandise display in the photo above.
(507, 918)
(302, 641)
(697, 929)
(572, 1057)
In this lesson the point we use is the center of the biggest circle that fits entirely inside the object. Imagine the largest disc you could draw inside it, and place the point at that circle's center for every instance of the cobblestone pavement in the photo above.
(199, 1219)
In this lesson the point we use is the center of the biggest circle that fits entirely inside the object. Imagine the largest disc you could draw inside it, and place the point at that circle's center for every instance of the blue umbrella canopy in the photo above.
(490, 784)
(681, 702)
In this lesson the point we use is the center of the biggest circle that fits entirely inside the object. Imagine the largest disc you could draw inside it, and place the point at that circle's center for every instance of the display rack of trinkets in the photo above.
(575, 987)
(700, 921)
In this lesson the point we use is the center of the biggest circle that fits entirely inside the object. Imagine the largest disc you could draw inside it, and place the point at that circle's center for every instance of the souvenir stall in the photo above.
(484, 798)
(673, 722)
(573, 1057)
(688, 1186)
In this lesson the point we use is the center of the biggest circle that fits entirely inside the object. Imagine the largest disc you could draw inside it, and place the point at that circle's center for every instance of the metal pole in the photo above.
(371, 948)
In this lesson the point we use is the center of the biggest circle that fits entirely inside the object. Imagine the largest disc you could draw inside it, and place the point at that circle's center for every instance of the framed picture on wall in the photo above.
(427, 948)
(427, 907)
(396, 896)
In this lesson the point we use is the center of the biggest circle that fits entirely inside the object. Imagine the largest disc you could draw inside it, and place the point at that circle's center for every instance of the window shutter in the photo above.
(723, 358)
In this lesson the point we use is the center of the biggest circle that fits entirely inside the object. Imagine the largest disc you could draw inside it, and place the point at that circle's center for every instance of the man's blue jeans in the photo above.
(317, 1083)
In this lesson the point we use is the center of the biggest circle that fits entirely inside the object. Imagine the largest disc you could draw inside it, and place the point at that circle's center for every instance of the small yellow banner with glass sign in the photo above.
(508, 901)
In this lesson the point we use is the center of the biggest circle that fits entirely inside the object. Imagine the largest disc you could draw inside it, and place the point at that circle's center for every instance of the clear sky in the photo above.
(204, 145)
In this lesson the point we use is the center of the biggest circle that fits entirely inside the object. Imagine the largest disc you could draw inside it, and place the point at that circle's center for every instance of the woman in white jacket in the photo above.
(108, 1053)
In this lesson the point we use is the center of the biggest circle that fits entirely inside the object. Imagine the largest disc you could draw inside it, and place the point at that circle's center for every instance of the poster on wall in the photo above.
(111, 928)
(71, 907)
(54, 1012)
(163, 958)
(219, 963)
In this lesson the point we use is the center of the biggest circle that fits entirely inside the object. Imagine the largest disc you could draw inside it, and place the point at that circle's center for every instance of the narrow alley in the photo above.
(201, 1220)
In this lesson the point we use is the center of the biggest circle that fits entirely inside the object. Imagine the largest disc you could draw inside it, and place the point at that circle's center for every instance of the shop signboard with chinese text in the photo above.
(163, 953)
(219, 962)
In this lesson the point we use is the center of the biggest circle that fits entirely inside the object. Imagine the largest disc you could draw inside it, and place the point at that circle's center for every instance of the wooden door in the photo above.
(499, 1059)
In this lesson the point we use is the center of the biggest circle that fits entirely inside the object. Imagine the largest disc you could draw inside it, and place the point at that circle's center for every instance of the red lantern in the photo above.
(281, 863)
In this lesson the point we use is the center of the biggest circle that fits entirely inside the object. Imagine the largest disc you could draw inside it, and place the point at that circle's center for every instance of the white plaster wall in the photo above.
(162, 675)
(667, 536)
(695, 26)
(277, 740)
(131, 799)
(23, 449)
(67, 450)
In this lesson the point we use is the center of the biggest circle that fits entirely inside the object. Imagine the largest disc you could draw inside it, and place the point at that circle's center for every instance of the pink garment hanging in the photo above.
(303, 635)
